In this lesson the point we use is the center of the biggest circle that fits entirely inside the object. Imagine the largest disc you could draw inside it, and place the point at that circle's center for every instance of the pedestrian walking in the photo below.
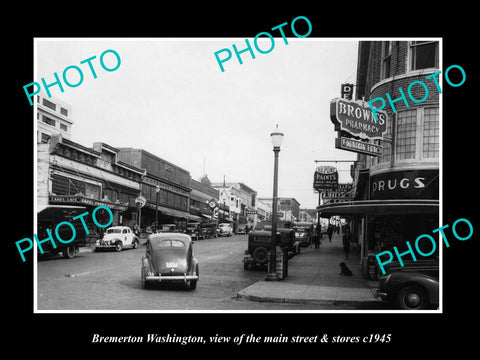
(347, 238)
(316, 238)
(330, 232)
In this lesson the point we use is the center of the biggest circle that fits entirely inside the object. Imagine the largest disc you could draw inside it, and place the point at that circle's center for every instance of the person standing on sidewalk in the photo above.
(347, 238)
(330, 232)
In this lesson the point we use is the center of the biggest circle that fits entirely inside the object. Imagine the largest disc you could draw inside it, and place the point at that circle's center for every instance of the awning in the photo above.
(380, 207)
(174, 213)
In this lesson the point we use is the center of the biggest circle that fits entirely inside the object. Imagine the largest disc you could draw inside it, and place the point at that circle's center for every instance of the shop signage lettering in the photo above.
(228, 54)
(75, 75)
(356, 119)
(86, 201)
(429, 238)
(325, 177)
(409, 91)
(341, 192)
(29, 247)
(350, 144)
(410, 184)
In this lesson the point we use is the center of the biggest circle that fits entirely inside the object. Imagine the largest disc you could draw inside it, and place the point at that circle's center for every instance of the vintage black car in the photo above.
(259, 242)
(413, 286)
(169, 258)
(304, 232)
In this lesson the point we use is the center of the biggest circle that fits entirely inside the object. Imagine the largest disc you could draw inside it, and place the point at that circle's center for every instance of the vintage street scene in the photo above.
(216, 175)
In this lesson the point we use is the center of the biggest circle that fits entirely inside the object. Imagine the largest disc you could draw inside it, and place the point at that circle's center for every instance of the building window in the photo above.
(387, 144)
(63, 111)
(63, 127)
(45, 138)
(431, 135)
(49, 104)
(48, 121)
(386, 59)
(406, 134)
(423, 55)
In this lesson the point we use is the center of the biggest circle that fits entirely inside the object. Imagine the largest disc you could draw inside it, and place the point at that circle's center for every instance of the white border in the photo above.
(34, 249)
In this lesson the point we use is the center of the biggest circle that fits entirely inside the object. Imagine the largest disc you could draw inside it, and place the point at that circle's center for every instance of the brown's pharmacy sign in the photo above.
(356, 118)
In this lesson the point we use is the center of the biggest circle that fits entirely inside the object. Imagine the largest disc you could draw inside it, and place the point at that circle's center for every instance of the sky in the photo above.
(169, 97)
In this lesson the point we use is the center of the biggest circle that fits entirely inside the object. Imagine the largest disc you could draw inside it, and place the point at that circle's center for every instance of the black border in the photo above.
(411, 333)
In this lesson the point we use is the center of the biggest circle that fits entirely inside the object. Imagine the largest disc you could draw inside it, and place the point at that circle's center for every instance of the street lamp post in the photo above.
(277, 138)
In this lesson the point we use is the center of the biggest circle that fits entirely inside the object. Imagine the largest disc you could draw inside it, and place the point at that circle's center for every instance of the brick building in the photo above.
(396, 193)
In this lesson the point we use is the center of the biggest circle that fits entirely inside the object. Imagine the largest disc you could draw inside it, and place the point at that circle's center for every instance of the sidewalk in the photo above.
(313, 278)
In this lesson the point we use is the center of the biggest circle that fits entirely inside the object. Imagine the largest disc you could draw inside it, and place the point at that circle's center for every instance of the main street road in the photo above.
(111, 281)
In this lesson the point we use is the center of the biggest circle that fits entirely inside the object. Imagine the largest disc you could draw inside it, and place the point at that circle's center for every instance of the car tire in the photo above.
(145, 283)
(260, 255)
(69, 252)
(135, 244)
(118, 246)
(412, 297)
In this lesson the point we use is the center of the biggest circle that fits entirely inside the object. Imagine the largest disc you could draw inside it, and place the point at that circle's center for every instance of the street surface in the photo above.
(111, 281)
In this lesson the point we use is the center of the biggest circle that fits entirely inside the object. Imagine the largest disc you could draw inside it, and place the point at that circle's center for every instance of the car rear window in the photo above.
(171, 243)
(114, 231)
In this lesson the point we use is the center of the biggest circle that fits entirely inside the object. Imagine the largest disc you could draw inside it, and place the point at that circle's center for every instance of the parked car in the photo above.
(169, 258)
(413, 286)
(259, 242)
(117, 237)
(194, 230)
(225, 229)
(209, 229)
(167, 228)
(304, 232)
(240, 231)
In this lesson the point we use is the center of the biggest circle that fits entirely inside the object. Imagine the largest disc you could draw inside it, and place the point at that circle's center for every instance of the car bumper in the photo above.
(380, 294)
(160, 278)
(105, 246)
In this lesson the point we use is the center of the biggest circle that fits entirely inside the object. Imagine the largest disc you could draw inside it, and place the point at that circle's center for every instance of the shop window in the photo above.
(62, 185)
(387, 144)
(423, 55)
(431, 136)
(406, 134)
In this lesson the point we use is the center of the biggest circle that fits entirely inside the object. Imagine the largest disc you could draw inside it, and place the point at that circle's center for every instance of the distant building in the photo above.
(308, 215)
(241, 200)
(53, 117)
(287, 208)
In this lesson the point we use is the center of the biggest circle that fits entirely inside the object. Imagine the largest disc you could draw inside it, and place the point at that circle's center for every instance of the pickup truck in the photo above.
(259, 242)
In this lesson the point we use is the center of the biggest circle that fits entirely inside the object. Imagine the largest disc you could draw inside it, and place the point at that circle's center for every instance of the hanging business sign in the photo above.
(356, 118)
(325, 177)
(349, 144)
(347, 91)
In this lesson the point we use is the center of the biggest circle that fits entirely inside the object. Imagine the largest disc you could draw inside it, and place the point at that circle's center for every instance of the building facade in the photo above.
(288, 209)
(396, 193)
(71, 174)
(53, 117)
(200, 197)
(165, 186)
(241, 200)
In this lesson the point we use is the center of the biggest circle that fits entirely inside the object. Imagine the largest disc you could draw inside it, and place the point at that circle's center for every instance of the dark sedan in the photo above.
(413, 286)
(169, 258)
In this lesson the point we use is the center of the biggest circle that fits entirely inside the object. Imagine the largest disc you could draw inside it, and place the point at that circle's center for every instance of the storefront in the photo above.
(402, 205)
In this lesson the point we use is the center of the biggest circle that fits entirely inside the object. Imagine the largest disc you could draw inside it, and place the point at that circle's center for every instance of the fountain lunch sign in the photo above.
(354, 119)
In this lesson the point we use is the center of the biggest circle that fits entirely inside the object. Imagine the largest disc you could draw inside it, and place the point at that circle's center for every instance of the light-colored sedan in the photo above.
(118, 237)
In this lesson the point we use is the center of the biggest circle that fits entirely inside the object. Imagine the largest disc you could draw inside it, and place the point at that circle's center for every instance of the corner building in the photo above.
(396, 193)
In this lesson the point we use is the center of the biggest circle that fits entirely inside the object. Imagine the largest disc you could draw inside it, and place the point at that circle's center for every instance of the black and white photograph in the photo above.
(237, 189)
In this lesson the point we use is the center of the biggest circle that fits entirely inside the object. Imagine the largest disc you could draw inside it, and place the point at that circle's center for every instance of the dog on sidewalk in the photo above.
(345, 270)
